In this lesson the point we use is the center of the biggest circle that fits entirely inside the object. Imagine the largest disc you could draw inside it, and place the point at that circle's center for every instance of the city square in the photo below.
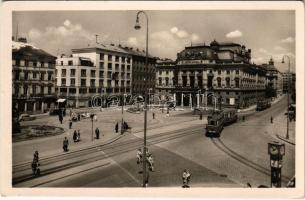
(157, 108)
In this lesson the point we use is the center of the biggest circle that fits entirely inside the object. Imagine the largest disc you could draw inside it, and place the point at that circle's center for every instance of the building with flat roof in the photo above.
(165, 84)
(108, 70)
(33, 89)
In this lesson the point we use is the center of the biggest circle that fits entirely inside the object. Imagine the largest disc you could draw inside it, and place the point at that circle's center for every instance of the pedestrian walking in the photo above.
(153, 115)
(78, 135)
(60, 118)
(75, 136)
(97, 133)
(244, 118)
(78, 116)
(70, 123)
(186, 176)
(35, 167)
(116, 127)
(36, 156)
(200, 116)
(271, 119)
(65, 144)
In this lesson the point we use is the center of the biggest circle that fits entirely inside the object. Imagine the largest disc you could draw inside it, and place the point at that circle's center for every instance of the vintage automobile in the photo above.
(26, 117)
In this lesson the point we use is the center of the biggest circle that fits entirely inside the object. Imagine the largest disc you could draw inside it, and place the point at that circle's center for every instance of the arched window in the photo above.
(237, 82)
(218, 82)
(227, 82)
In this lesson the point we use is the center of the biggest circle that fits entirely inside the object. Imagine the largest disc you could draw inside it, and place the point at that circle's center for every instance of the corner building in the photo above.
(221, 73)
(33, 89)
(102, 70)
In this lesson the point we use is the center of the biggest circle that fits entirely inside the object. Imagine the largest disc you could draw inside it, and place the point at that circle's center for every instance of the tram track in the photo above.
(245, 161)
(115, 149)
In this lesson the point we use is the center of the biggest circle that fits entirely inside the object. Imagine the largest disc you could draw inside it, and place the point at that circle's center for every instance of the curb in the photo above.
(284, 139)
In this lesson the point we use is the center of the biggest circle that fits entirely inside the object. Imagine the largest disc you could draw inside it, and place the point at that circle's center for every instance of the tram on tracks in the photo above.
(263, 104)
(218, 119)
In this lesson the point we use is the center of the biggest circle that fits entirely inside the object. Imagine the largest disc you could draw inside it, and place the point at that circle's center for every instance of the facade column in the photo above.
(198, 100)
(196, 78)
(34, 106)
(42, 106)
(25, 107)
(202, 100)
(188, 78)
(179, 78)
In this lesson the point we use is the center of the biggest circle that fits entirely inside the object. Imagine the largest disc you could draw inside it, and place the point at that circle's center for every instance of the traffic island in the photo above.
(30, 132)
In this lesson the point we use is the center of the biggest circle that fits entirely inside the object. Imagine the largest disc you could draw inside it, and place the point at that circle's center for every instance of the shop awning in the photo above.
(61, 100)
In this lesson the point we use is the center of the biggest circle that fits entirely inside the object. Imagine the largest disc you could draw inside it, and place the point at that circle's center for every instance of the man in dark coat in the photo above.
(65, 144)
(75, 136)
(116, 127)
(97, 133)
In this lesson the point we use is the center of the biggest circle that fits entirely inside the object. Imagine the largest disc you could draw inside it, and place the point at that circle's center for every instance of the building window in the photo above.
(160, 81)
(49, 89)
(63, 81)
(218, 82)
(101, 64)
(83, 82)
(92, 73)
(41, 89)
(92, 82)
(109, 66)
(72, 81)
(101, 82)
(63, 72)
(227, 82)
(117, 58)
(42, 76)
(42, 64)
(49, 76)
(237, 82)
(70, 62)
(109, 58)
(72, 72)
(117, 67)
(101, 56)
(237, 71)
(128, 67)
(101, 74)
(34, 63)
(83, 73)
(34, 75)
(228, 71)
(167, 72)
(160, 72)
(166, 81)
(219, 72)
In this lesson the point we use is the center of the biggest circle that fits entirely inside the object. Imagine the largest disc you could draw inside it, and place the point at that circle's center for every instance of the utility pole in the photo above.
(96, 36)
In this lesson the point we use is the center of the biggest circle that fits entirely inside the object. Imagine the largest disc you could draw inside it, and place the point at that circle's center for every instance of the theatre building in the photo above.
(218, 73)
(33, 89)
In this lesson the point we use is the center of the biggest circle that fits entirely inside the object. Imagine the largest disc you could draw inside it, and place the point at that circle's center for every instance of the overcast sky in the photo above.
(267, 33)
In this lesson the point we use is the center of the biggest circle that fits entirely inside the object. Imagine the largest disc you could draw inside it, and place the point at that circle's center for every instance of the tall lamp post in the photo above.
(137, 27)
(288, 91)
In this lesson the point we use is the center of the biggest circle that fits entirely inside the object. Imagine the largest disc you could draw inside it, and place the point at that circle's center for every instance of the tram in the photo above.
(263, 104)
(218, 120)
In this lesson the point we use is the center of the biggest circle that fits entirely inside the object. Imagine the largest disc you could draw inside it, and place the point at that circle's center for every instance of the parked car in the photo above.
(26, 117)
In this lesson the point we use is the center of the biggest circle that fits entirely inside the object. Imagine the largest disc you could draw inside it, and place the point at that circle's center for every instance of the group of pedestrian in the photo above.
(186, 176)
(76, 136)
(149, 158)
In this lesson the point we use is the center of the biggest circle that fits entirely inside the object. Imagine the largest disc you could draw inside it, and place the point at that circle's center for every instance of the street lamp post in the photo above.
(288, 91)
(92, 116)
(137, 27)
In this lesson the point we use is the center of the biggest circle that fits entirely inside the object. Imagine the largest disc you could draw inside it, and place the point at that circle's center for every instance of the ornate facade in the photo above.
(218, 73)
